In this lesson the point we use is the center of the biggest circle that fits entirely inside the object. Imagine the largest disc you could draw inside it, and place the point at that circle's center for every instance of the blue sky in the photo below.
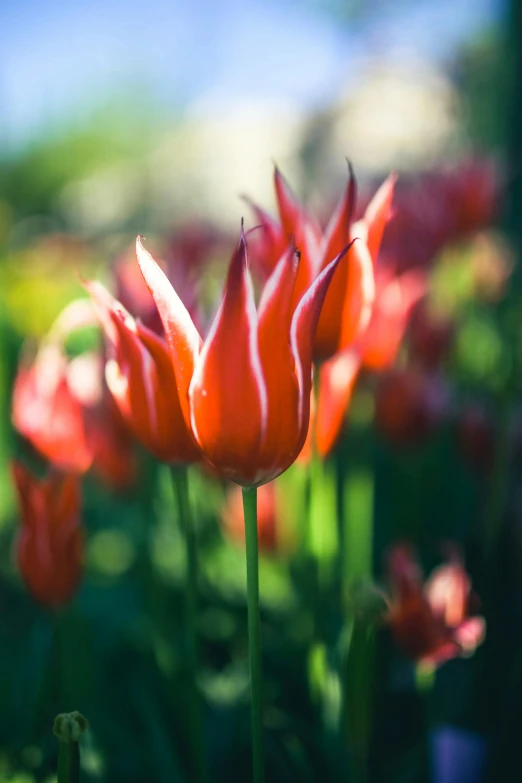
(58, 57)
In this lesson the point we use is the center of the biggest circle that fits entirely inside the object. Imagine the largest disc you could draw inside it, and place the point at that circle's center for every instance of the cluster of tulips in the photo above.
(305, 313)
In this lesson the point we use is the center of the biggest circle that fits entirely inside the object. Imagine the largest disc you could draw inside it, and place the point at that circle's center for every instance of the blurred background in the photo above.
(118, 118)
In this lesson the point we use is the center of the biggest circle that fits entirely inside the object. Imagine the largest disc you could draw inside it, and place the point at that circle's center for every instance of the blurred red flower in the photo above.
(61, 406)
(437, 208)
(430, 620)
(50, 543)
(48, 414)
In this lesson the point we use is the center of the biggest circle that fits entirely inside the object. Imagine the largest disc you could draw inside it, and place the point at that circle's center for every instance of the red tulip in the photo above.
(347, 306)
(46, 412)
(141, 379)
(60, 406)
(430, 621)
(50, 544)
(245, 391)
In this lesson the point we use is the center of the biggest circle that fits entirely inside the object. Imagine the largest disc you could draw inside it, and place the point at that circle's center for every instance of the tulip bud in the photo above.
(69, 726)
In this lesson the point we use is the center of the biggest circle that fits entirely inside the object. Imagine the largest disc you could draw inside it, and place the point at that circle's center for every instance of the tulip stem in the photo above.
(181, 492)
(254, 636)
(68, 762)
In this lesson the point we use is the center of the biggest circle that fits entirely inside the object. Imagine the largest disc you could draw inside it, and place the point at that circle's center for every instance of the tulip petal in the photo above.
(381, 341)
(277, 360)
(336, 382)
(359, 293)
(348, 302)
(302, 333)
(289, 207)
(76, 315)
(183, 338)
(337, 233)
(470, 634)
(378, 213)
(272, 242)
(228, 398)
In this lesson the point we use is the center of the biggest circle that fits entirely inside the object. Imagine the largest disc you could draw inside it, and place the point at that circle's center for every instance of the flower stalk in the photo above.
(254, 636)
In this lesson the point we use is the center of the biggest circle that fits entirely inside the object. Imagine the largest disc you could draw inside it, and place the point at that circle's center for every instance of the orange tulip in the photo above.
(141, 380)
(430, 621)
(348, 303)
(245, 391)
(50, 544)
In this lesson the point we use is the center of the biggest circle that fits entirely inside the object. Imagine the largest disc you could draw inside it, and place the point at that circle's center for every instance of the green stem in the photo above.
(254, 636)
(181, 492)
(357, 676)
(68, 762)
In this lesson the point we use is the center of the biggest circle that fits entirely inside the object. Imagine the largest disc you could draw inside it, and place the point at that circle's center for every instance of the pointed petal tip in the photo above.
(342, 254)
(351, 172)
(242, 245)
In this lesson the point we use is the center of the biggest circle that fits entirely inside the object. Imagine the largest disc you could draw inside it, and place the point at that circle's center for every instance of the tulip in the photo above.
(50, 544)
(348, 302)
(430, 621)
(48, 414)
(60, 406)
(141, 379)
(245, 391)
